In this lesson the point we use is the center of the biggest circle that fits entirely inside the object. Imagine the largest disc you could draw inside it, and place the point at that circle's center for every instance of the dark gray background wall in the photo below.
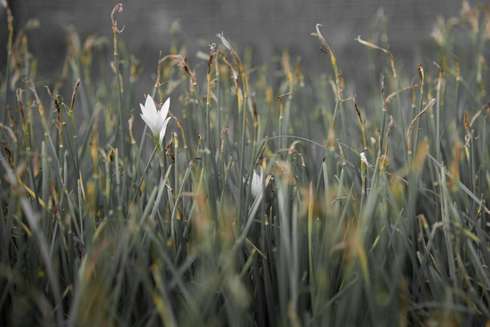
(266, 25)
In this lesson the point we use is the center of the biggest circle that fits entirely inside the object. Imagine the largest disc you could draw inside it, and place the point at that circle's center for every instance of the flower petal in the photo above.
(148, 123)
(257, 183)
(164, 129)
(150, 105)
(143, 109)
(165, 108)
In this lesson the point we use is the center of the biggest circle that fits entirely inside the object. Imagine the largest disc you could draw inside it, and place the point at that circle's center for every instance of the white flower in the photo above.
(156, 120)
(257, 183)
(364, 159)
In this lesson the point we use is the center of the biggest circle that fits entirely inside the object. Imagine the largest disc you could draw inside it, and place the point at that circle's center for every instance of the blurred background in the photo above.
(265, 26)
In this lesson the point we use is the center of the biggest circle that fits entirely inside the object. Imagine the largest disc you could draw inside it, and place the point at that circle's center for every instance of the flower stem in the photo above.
(147, 166)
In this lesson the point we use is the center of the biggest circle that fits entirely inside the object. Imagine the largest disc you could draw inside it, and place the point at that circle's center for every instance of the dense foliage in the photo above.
(371, 212)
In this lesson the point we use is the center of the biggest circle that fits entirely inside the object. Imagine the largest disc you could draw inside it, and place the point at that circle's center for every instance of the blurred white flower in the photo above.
(156, 120)
(257, 183)
(364, 159)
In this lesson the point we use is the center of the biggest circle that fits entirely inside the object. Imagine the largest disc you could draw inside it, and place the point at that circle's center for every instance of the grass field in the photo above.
(276, 198)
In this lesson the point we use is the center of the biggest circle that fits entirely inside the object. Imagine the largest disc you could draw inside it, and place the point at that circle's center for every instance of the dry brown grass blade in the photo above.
(385, 51)
(181, 62)
(414, 120)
